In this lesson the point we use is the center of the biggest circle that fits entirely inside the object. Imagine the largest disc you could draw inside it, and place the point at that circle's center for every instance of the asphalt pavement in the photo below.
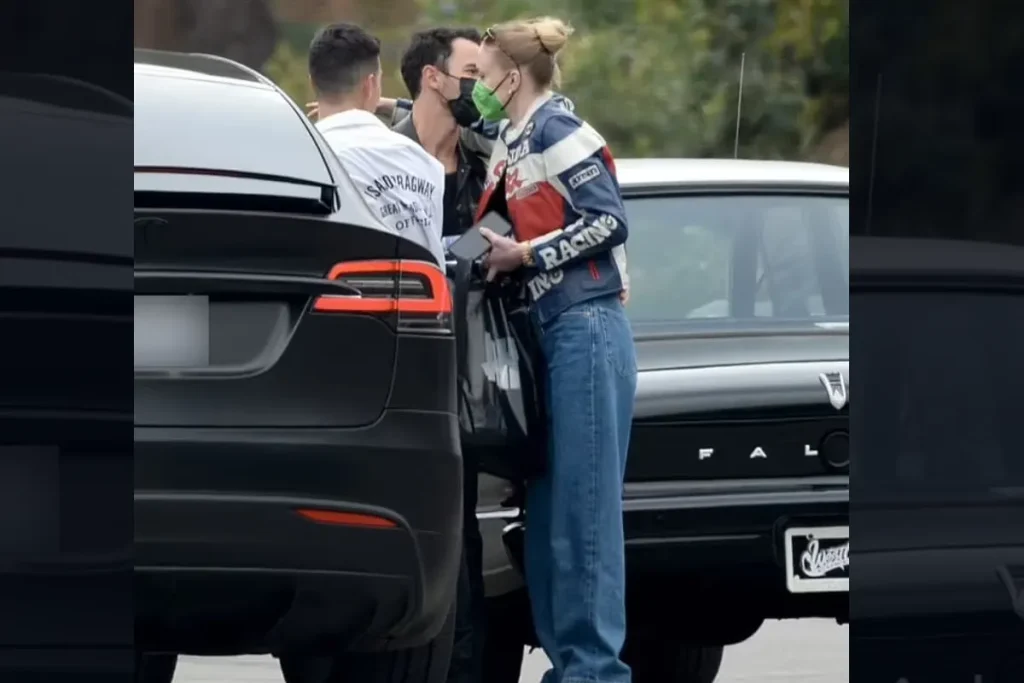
(804, 651)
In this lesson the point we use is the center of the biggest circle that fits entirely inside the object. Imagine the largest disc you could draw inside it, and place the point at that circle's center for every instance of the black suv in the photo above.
(65, 314)
(292, 357)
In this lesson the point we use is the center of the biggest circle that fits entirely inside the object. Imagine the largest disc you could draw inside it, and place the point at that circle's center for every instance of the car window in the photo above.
(722, 258)
(949, 435)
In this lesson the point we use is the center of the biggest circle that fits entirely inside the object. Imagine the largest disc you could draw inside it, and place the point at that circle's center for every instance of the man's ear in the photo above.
(373, 89)
(429, 76)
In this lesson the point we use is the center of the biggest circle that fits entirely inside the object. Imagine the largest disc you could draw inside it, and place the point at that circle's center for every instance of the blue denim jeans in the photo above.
(575, 554)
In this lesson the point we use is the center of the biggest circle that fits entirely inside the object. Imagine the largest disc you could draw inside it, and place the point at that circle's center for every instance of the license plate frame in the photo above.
(817, 568)
(171, 332)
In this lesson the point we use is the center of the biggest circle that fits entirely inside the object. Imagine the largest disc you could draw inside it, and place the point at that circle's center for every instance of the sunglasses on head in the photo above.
(491, 38)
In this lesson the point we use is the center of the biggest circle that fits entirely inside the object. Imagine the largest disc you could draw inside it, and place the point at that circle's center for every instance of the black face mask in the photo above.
(462, 107)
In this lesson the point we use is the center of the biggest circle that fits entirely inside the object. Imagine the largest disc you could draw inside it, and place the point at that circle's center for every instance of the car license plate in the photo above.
(172, 332)
(818, 559)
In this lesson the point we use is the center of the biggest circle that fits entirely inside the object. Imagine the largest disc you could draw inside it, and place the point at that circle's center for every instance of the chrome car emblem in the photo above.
(835, 385)
(1013, 579)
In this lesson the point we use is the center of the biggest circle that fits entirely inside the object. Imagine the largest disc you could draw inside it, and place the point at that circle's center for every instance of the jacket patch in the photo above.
(543, 283)
(579, 239)
(585, 176)
(519, 152)
(526, 191)
(513, 183)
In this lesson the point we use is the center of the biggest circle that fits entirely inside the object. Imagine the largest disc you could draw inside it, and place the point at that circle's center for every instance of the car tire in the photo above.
(424, 664)
(155, 668)
(656, 659)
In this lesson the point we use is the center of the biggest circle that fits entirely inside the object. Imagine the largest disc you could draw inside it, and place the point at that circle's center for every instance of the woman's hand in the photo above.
(386, 107)
(505, 255)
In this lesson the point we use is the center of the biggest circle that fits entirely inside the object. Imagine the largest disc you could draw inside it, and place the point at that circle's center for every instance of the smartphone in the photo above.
(472, 245)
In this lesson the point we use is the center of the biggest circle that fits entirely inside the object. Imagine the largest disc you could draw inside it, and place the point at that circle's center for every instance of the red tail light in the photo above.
(347, 519)
(415, 290)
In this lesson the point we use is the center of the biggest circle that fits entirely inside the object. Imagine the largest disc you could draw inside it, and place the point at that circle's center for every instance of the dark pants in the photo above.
(471, 608)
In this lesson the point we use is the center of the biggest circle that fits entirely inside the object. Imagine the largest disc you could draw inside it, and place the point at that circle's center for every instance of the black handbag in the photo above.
(501, 377)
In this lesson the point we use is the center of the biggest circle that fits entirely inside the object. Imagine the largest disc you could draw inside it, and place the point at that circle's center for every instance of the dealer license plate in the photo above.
(818, 559)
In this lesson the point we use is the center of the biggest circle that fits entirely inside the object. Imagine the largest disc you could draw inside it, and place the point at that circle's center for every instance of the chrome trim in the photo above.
(505, 513)
(681, 390)
(734, 499)
(656, 489)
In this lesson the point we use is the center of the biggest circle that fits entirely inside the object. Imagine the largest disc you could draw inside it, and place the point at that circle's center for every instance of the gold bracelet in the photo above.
(527, 255)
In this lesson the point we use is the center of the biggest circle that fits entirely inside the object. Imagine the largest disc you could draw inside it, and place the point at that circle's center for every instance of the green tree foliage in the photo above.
(287, 68)
(662, 77)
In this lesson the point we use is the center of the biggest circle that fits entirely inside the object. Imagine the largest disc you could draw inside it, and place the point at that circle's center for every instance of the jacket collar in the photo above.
(408, 129)
(353, 118)
(511, 134)
(405, 127)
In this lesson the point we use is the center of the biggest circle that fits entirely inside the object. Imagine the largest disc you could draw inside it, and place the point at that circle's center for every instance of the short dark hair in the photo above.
(432, 47)
(340, 56)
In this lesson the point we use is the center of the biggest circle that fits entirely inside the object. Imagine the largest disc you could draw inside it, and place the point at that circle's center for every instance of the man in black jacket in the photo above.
(439, 71)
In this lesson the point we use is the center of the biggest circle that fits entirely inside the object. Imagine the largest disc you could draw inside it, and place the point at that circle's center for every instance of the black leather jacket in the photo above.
(472, 172)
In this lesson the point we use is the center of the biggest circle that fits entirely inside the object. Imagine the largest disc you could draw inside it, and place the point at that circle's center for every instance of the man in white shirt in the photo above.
(400, 182)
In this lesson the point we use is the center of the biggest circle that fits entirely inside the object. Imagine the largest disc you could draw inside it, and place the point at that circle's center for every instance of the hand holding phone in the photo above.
(472, 245)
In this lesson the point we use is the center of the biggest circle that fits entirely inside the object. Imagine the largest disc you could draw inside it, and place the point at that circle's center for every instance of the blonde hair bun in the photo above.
(532, 44)
(552, 33)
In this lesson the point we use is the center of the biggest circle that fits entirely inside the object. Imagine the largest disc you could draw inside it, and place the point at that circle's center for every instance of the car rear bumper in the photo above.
(226, 563)
(692, 545)
(718, 538)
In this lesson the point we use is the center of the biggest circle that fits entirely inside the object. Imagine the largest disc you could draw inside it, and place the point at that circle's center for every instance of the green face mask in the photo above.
(487, 103)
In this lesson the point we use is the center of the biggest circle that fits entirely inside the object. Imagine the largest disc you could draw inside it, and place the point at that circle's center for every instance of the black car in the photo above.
(65, 315)
(939, 482)
(737, 484)
(297, 464)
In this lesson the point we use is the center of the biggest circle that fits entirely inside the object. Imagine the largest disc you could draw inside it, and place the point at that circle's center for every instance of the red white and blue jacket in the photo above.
(564, 198)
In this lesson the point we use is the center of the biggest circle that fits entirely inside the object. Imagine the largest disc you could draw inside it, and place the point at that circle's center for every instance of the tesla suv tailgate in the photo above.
(248, 319)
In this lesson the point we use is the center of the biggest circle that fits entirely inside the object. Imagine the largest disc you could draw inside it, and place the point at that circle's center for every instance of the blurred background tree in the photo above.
(656, 77)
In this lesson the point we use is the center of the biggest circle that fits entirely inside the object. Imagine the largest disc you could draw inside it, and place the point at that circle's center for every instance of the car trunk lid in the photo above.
(248, 318)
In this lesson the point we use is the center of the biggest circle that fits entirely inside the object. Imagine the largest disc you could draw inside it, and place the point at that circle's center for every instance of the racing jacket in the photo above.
(475, 146)
(564, 198)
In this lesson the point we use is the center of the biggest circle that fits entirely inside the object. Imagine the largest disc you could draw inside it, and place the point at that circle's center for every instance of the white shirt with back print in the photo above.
(401, 183)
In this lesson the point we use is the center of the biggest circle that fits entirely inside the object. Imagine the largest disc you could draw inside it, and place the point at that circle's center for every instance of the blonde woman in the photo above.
(557, 179)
